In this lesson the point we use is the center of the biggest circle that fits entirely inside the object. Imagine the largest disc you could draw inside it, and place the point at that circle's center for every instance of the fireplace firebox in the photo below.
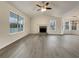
(43, 29)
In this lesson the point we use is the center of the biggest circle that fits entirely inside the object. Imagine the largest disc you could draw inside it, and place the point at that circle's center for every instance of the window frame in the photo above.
(54, 20)
(17, 22)
(65, 24)
(73, 22)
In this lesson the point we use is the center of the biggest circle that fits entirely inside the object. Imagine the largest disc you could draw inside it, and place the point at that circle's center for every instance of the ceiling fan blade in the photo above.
(48, 8)
(38, 5)
(47, 3)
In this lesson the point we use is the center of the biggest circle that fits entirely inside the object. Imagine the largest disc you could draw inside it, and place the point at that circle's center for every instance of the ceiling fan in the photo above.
(44, 6)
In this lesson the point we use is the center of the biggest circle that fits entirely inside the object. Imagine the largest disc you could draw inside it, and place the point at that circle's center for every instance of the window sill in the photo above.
(16, 33)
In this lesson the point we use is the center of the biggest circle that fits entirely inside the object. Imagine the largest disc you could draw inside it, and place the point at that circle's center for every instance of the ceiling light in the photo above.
(44, 6)
(43, 9)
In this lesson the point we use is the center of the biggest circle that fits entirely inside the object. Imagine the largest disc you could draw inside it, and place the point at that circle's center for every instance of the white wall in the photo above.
(44, 21)
(5, 37)
(68, 17)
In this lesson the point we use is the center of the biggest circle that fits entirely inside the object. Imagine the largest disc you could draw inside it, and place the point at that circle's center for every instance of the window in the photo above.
(74, 25)
(53, 24)
(20, 24)
(67, 25)
(16, 23)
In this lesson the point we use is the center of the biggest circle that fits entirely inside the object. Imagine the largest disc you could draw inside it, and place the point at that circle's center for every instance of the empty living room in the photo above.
(39, 29)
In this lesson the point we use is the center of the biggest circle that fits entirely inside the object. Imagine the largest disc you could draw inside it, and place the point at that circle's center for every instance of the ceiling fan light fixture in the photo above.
(43, 9)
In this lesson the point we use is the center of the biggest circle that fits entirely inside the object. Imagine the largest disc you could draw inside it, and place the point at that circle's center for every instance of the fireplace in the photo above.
(43, 29)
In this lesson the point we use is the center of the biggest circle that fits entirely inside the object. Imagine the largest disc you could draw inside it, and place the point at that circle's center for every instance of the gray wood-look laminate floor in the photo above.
(43, 46)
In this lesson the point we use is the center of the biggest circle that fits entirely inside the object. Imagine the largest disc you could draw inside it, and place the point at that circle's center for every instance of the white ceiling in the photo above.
(30, 8)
